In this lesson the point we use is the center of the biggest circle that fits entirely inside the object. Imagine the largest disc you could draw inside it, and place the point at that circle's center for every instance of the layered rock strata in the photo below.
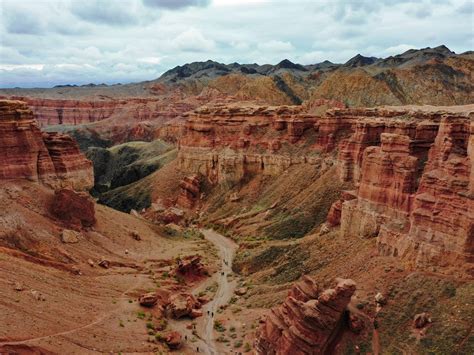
(414, 189)
(410, 167)
(74, 112)
(227, 143)
(71, 166)
(441, 210)
(308, 320)
(27, 153)
(189, 191)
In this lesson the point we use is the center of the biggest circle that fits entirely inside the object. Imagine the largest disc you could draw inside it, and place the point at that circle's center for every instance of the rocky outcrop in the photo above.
(182, 305)
(49, 158)
(74, 209)
(334, 214)
(441, 224)
(190, 266)
(75, 112)
(308, 320)
(23, 154)
(408, 168)
(189, 191)
(71, 166)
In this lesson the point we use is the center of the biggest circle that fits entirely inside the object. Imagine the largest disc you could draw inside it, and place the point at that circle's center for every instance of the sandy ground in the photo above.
(96, 311)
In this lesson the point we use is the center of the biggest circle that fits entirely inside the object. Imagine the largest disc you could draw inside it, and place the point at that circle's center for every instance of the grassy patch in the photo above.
(451, 306)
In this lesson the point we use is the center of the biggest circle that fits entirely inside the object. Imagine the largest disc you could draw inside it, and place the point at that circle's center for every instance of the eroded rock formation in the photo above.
(189, 191)
(225, 143)
(74, 112)
(70, 164)
(49, 158)
(75, 209)
(413, 178)
(307, 321)
(409, 169)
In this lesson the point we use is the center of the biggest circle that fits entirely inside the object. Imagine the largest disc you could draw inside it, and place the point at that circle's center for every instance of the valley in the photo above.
(242, 209)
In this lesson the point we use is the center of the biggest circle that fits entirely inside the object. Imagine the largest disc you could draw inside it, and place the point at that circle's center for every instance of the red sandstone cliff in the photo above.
(411, 167)
(413, 177)
(307, 321)
(228, 142)
(27, 153)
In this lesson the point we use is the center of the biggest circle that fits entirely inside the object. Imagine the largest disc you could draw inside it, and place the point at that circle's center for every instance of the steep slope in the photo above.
(128, 162)
(26, 153)
(73, 272)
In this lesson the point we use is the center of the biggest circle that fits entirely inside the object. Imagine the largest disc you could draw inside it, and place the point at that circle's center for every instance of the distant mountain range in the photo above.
(417, 76)
(212, 69)
(436, 76)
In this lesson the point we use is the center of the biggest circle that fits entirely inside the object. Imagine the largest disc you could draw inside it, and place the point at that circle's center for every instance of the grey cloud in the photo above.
(108, 12)
(423, 12)
(20, 22)
(175, 4)
(466, 9)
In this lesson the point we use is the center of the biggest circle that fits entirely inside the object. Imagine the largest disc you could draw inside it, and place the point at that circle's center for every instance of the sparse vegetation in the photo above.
(238, 343)
(218, 326)
(141, 315)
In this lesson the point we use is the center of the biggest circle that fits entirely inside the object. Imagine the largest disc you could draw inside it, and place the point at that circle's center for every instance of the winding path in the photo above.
(225, 290)
(224, 293)
(203, 333)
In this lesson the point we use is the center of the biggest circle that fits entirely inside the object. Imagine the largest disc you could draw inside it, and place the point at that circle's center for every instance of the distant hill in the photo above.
(436, 76)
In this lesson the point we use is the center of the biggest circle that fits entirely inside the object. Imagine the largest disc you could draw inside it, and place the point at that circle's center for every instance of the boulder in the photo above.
(195, 313)
(69, 236)
(74, 209)
(241, 291)
(181, 305)
(104, 263)
(173, 340)
(148, 299)
(421, 320)
(190, 265)
(380, 299)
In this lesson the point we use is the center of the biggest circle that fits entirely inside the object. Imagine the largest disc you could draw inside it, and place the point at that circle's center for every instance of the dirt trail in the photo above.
(225, 290)
(205, 324)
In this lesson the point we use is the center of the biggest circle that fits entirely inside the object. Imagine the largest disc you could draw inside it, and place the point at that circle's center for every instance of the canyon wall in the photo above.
(412, 174)
(227, 143)
(410, 167)
(75, 112)
(27, 153)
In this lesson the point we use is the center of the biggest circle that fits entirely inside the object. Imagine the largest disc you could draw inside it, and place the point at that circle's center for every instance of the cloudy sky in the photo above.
(49, 42)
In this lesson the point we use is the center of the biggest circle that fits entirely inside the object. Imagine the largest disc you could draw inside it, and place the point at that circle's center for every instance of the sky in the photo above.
(55, 42)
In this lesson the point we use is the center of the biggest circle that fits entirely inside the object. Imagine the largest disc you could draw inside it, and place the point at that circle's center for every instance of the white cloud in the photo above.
(276, 46)
(193, 40)
(398, 49)
(151, 60)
